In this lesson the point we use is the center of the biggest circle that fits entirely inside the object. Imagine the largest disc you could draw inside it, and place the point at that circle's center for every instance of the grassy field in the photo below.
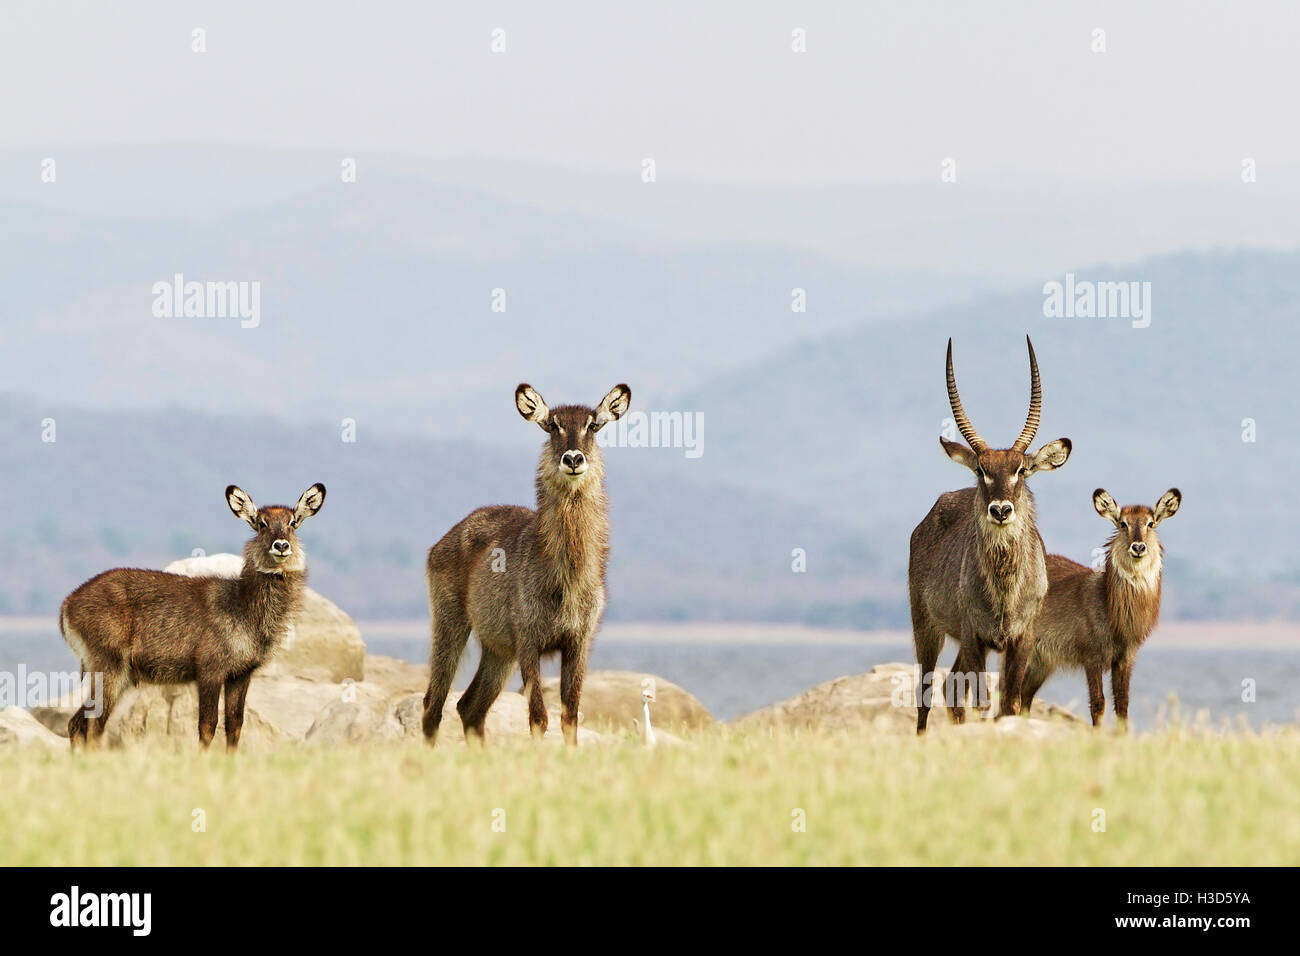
(1168, 798)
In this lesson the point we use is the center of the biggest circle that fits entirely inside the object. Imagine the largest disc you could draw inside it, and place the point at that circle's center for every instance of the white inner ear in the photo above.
(308, 505)
(1049, 457)
(612, 407)
(531, 406)
(243, 506)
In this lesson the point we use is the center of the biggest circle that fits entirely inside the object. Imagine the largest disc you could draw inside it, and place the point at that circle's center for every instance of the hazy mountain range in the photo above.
(820, 427)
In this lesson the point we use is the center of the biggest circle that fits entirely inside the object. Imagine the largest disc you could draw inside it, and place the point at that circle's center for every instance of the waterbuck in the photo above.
(1095, 621)
(133, 625)
(976, 571)
(526, 582)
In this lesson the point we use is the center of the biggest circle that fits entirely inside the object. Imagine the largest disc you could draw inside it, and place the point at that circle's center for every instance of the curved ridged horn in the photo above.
(1035, 403)
(964, 426)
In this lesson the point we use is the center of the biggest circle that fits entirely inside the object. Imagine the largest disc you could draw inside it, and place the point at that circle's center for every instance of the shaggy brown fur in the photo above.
(1097, 620)
(135, 626)
(975, 571)
(527, 583)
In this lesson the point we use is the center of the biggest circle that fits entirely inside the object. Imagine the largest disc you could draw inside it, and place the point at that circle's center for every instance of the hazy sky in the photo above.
(711, 91)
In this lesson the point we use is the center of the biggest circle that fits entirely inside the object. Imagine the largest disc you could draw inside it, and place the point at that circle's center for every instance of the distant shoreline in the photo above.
(1270, 635)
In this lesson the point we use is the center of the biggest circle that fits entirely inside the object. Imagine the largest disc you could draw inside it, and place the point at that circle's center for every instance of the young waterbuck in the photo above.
(1096, 620)
(133, 625)
(526, 582)
(976, 570)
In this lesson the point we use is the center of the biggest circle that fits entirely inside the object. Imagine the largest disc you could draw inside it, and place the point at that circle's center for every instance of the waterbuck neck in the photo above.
(267, 603)
(1002, 550)
(1132, 592)
(573, 527)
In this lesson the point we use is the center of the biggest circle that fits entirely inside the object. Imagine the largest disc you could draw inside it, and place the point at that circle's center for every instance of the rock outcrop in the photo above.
(18, 728)
(881, 701)
(388, 706)
(611, 701)
(290, 710)
(278, 710)
(508, 718)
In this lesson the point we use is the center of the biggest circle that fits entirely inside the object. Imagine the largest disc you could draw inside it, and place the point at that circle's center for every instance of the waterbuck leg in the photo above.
(78, 725)
(467, 696)
(1035, 677)
(482, 691)
(1015, 661)
(573, 670)
(236, 692)
(1096, 700)
(209, 698)
(978, 661)
(98, 725)
(530, 669)
(77, 729)
(450, 633)
(115, 683)
(1120, 672)
(957, 685)
(927, 643)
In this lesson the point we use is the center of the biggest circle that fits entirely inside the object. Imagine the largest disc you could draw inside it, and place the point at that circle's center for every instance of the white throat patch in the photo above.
(1143, 574)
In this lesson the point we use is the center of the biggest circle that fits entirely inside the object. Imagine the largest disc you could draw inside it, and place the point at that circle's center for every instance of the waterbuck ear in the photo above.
(1052, 455)
(960, 453)
(1168, 504)
(1105, 505)
(612, 407)
(309, 503)
(532, 406)
(242, 505)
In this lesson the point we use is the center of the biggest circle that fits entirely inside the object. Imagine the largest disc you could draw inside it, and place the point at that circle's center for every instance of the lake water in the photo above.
(733, 678)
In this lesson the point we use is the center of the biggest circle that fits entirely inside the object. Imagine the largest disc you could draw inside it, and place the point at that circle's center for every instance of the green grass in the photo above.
(1169, 798)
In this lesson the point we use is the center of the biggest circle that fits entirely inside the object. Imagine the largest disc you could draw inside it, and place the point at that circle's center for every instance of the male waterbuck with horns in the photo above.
(1095, 621)
(976, 571)
(132, 625)
(527, 582)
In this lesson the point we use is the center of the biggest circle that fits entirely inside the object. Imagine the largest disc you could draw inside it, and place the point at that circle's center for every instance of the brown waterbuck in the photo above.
(132, 625)
(527, 582)
(1095, 621)
(976, 571)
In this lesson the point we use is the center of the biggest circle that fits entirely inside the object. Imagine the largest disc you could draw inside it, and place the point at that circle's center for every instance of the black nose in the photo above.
(1000, 512)
(572, 459)
(282, 546)
(1138, 547)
